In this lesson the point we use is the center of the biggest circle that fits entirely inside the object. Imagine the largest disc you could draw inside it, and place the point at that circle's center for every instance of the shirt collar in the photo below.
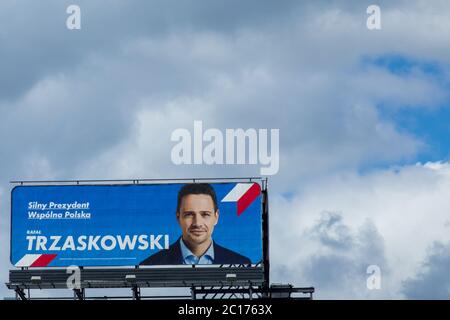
(188, 253)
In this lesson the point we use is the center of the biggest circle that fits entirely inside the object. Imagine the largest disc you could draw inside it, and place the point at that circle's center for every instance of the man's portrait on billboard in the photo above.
(197, 215)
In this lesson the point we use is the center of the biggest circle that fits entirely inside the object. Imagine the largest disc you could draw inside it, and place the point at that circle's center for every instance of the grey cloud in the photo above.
(36, 42)
(332, 232)
(432, 281)
(338, 269)
(108, 68)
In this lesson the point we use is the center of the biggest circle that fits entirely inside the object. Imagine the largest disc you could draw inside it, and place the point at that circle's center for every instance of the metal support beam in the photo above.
(136, 293)
(79, 294)
(21, 294)
(136, 181)
(266, 244)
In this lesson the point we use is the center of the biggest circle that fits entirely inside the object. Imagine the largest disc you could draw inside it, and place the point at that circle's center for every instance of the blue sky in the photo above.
(432, 126)
(429, 123)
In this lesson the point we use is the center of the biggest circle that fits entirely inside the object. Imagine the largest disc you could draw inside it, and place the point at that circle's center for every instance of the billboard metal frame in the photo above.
(204, 281)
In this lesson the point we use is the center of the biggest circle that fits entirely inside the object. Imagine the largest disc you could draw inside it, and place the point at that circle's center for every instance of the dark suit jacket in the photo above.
(173, 255)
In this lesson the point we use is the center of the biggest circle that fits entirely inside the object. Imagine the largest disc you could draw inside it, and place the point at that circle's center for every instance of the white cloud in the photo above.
(408, 207)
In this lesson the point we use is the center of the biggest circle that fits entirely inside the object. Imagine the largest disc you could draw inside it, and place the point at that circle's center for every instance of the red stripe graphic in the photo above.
(247, 198)
(43, 260)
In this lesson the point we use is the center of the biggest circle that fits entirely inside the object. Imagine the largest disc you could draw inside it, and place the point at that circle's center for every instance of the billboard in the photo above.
(136, 224)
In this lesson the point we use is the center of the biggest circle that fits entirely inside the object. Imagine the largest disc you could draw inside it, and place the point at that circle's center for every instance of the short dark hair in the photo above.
(197, 188)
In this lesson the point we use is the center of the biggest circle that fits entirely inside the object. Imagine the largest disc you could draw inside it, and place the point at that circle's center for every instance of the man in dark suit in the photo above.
(197, 214)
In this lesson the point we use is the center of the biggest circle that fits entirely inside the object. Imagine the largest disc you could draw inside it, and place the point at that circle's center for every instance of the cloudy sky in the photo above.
(363, 117)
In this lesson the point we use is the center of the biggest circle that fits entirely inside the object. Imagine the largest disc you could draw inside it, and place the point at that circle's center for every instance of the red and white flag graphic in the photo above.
(244, 194)
(35, 260)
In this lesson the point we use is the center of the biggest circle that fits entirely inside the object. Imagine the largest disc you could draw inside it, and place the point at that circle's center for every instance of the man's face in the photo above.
(197, 218)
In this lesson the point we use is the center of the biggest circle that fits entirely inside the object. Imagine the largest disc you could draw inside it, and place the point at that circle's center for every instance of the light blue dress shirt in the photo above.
(190, 258)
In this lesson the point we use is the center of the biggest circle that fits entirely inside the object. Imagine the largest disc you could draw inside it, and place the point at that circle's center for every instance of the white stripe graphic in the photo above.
(27, 260)
(237, 192)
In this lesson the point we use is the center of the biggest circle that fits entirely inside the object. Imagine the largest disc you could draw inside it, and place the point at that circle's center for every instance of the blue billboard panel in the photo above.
(128, 225)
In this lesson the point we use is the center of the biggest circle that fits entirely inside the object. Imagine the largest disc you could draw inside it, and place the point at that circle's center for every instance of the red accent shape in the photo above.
(247, 198)
(43, 260)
